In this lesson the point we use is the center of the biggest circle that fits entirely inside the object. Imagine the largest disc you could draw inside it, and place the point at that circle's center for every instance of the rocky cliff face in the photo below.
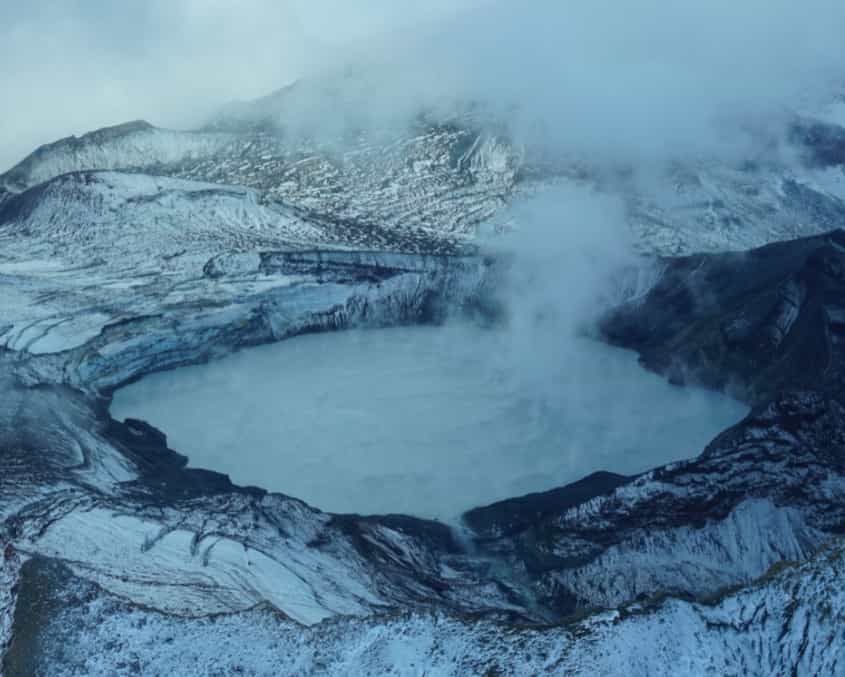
(756, 322)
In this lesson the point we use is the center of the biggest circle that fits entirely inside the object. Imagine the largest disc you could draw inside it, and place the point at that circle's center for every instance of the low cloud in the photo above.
(74, 66)
(636, 82)
(632, 82)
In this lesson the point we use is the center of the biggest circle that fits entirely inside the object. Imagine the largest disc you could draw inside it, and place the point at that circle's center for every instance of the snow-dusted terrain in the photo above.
(430, 185)
(789, 622)
(134, 250)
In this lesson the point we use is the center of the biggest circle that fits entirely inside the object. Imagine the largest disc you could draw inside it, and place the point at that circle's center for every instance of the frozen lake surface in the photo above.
(422, 420)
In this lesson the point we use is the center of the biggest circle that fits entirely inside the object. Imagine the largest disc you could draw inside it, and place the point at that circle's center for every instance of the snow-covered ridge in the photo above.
(427, 186)
(301, 292)
(436, 183)
(790, 622)
(129, 145)
(119, 217)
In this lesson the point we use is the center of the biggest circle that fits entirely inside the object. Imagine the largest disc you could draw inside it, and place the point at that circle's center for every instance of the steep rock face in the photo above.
(755, 323)
(10, 565)
(129, 145)
(303, 292)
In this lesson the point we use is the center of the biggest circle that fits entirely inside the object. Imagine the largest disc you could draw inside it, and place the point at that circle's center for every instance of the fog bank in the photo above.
(70, 67)
(635, 82)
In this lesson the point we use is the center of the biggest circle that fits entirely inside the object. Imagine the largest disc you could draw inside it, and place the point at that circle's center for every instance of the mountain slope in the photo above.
(429, 183)
(791, 622)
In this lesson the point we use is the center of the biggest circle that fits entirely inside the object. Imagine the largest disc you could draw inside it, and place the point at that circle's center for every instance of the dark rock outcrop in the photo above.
(753, 323)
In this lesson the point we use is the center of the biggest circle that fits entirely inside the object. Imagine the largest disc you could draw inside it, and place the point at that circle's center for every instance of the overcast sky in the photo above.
(634, 78)
(69, 66)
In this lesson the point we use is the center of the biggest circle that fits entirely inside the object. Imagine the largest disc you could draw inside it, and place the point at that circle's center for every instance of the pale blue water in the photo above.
(425, 421)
